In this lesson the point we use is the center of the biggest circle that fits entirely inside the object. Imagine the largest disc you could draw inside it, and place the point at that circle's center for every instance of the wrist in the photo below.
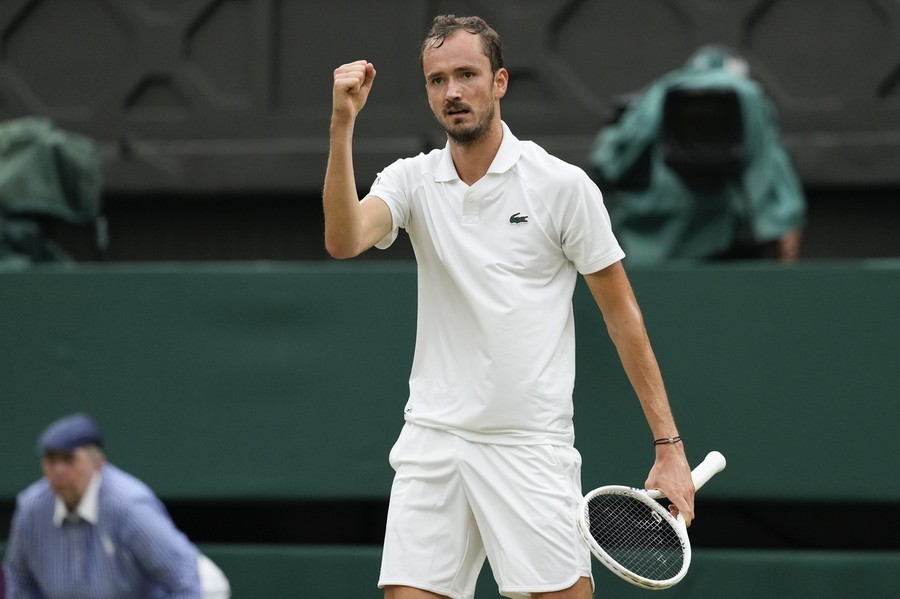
(667, 441)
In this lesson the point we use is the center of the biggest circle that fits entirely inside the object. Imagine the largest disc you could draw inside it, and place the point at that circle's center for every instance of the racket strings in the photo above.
(637, 537)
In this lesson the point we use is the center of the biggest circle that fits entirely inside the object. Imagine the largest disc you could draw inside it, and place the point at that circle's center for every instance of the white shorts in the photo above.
(454, 501)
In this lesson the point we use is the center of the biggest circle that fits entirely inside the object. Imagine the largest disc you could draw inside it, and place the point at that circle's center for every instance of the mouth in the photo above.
(453, 111)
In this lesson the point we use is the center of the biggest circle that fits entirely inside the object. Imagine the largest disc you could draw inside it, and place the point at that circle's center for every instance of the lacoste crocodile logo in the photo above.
(515, 218)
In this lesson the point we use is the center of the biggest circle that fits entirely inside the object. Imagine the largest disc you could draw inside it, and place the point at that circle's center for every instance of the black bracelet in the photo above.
(667, 441)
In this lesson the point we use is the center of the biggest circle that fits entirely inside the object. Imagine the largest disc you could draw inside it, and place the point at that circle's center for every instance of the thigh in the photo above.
(524, 500)
(391, 592)
(431, 538)
(583, 589)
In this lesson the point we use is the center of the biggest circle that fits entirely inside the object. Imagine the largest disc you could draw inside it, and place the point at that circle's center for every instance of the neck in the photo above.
(473, 159)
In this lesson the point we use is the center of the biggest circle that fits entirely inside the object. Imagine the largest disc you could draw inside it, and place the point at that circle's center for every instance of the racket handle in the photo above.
(712, 464)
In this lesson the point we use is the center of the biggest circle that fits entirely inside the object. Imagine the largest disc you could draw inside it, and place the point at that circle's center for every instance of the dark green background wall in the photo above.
(289, 380)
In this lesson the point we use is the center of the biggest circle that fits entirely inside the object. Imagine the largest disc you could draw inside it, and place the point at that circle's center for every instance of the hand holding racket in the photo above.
(635, 536)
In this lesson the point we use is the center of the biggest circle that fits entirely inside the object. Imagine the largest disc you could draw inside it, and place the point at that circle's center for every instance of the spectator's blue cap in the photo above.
(69, 433)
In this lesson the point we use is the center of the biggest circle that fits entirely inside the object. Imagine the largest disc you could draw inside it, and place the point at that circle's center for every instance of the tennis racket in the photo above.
(630, 532)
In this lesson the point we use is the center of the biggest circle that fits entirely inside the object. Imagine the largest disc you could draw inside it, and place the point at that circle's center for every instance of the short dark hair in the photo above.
(444, 26)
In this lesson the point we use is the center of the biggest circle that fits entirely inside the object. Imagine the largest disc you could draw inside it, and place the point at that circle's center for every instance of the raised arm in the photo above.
(351, 226)
(671, 472)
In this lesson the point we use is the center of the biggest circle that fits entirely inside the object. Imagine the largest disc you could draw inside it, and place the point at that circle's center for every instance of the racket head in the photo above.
(635, 536)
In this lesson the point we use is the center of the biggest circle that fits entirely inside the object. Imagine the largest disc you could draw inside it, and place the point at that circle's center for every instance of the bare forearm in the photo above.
(642, 369)
(340, 200)
(670, 471)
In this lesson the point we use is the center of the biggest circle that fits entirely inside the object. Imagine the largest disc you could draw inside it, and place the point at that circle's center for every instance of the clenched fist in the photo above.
(352, 84)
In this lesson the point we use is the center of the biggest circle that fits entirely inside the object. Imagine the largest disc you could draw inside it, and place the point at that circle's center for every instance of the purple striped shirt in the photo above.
(133, 551)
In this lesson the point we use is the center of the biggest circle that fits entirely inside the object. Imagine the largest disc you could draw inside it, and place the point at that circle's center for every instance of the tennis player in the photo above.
(485, 464)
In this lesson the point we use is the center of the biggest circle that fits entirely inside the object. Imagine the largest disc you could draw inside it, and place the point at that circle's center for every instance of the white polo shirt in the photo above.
(497, 266)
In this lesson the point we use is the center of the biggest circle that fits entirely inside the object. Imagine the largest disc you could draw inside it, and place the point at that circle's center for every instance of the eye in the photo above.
(436, 80)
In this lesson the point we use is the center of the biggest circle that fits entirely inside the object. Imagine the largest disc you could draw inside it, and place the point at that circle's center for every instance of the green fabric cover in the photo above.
(666, 219)
(45, 172)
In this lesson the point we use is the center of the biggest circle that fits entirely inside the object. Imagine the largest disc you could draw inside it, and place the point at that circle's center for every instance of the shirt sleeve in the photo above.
(587, 235)
(390, 185)
(163, 551)
(20, 583)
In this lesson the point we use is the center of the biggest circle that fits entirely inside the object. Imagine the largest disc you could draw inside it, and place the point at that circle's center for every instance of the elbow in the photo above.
(340, 250)
(341, 255)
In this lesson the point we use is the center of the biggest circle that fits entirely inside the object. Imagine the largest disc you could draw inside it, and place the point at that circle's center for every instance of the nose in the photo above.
(453, 92)
(55, 470)
(55, 467)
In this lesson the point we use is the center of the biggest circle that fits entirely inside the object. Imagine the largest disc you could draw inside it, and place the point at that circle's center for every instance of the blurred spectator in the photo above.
(694, 168)
(89, 530)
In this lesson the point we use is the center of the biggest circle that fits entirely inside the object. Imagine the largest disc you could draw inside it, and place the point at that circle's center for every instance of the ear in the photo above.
(501, 80)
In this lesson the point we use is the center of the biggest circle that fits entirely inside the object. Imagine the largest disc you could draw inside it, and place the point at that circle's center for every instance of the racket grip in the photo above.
(712, 464)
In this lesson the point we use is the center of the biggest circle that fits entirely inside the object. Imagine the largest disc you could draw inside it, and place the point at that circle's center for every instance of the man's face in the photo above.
(69, 474)
(462, 91)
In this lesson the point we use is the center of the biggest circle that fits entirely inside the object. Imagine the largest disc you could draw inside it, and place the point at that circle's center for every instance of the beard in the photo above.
(469, 134)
